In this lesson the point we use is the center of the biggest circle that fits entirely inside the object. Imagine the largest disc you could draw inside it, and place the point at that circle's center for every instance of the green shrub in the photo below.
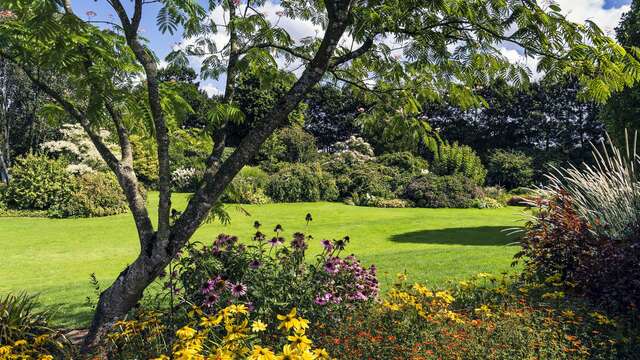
(38, 183)
(373, 201)
(24, 330)
(96, 194)
(302, 182)
(451, 191)
(486, 203)
(458, 159)
(248, 187)
(186, 179)
(290, 144)
(404, 161)
(145, 160)
(510, 169)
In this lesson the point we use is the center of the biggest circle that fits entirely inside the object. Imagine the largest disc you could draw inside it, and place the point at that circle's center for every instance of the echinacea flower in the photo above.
(254, 264)
(276, 241)
(327, 245)
(238, 289)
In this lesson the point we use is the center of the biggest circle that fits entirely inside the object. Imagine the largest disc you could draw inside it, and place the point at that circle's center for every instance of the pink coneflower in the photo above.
(327, 245)
(211, 299)
(276, 241)
(331, 266)
(238, 289)
(254, 264)
(361, 109)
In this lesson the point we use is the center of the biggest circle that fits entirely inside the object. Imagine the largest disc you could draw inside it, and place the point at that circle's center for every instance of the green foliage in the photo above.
(25, 332)
(39, 183)
(145, 159)
(96, 194)
(189, 148)
(405, 161)
(302, 182)
(458, 159)
(450, 191)
(486, 203)
(511, 169)
(290, 144)
(248, 187)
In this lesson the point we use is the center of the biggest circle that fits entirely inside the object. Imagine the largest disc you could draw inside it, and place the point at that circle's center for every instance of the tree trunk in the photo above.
(4, 170)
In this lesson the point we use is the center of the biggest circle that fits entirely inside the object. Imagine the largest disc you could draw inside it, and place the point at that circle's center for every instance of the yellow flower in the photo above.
(321, 354)
(483, 310)
(288, 321)
(210, 321)
(302, 324)
(401, 277)
(483, 275)
(20, 343)
(239, 309)
(186, 333)
(300, 341)
(45, 357)
(260, 353)
(445, 297)
(161, 357)
(5, 350)
(258, 326)
(288, 353)
(391, 306)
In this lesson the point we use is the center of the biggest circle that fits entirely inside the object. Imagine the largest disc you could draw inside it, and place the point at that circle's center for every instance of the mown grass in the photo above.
(55, 257)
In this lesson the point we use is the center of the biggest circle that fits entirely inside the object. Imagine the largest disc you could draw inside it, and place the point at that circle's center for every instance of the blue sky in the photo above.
(605, 13)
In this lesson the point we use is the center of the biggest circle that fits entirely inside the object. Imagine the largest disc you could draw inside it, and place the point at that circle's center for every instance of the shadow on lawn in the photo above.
(481, 236)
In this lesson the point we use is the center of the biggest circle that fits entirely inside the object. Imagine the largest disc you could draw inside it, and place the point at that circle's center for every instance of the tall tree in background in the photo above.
(547, 121)
(622, 110)
(402, 53)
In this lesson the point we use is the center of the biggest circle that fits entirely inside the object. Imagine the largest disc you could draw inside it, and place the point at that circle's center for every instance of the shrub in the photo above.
(145, 160)
(373, 201)
(510, 169)
(486, 203)
(96, 194)
(274, 277)
(301, 182)
(38, 183)
(290, 144)
(458, 160)
(431, 191)
(77, 149)
(485, 317)
(404, 161)
(25, 332)
(186, 179)
(248, 187)
(357, 146)
(587, 233)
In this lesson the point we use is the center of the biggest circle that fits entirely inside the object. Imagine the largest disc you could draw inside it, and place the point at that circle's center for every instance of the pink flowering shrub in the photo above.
(272, 274)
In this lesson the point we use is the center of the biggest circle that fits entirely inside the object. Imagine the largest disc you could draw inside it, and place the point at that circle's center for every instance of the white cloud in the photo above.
(211, 89)
(581, 10)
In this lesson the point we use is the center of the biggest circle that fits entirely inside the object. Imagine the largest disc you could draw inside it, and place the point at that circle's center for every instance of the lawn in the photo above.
(55, 257)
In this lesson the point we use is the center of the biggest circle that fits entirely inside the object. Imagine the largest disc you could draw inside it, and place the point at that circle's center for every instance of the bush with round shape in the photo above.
(404, 161)
(38, 183)
(301, 182)
(511, 169)
(486, 203)
(454, 159)
(451, 191)
(248, 187)
(96, 194)
(290, 144)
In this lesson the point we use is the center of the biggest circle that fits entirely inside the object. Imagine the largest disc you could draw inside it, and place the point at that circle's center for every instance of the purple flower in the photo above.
(323, 299)
(276, 241)
(238, 289)
(298, 242)
(211, 299)
(254, 264)
(331, 266)
(327, 245)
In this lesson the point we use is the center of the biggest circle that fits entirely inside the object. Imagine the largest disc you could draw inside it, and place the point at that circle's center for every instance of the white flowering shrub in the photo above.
(356, 147)
(185, 179)
(76, 147)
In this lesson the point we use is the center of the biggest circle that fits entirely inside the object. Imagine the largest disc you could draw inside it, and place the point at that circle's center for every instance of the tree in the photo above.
(622, 112)
(546, 120)
(402, 52)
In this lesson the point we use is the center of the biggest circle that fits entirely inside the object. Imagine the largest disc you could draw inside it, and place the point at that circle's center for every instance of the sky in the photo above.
(605, 13)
